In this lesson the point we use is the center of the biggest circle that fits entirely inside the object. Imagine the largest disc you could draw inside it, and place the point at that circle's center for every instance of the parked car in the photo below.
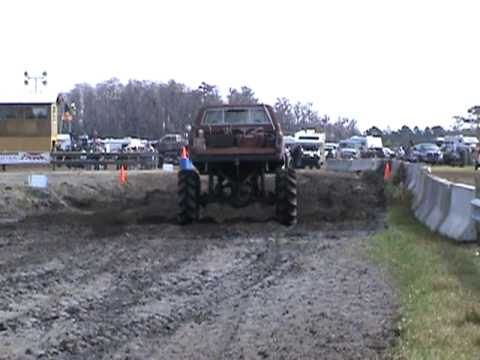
(331, 150)
(349, 150)
(169, 148)
(471, 142)
(428, 153)
(454, 155)
(374, 152)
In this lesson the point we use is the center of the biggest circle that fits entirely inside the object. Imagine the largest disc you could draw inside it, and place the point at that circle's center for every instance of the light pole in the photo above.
(42, 78)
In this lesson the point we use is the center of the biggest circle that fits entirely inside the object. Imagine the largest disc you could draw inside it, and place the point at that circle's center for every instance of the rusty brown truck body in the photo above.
(236, 146)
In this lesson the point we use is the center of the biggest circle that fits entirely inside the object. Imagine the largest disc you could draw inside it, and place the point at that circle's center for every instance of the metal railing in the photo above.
(99, 161)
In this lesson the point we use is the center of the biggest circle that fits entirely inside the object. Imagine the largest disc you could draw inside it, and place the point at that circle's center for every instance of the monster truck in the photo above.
(237, 146)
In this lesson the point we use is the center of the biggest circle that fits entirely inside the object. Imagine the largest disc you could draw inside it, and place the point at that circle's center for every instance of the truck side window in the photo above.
(213, 117)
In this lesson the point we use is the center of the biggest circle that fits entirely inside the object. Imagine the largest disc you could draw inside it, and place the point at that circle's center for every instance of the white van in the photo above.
(312, 145)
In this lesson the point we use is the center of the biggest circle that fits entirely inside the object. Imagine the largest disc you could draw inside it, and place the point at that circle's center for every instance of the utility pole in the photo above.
(37, 78)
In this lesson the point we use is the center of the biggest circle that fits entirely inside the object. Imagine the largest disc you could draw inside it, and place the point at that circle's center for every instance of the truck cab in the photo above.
(246, 135)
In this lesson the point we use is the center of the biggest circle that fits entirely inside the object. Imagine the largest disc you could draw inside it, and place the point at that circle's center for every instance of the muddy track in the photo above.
(105, 272)
(206, 292)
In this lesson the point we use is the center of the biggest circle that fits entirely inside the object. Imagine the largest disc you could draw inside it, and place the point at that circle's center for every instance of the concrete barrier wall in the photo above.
(459, 224)
(419, 190)
(339, 165)
(352, 165)
(441, 205)
(363, 165)
(427, 201)
(414, 171)
(409, 171)
(395, 166)
(439, 211)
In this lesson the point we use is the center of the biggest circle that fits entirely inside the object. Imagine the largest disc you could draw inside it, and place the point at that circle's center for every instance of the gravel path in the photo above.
(73, 290)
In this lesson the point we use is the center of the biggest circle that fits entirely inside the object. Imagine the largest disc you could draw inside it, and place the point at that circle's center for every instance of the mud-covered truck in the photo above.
(236, 147)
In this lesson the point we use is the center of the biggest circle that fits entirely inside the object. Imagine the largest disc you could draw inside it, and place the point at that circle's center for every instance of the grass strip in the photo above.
(438, 282)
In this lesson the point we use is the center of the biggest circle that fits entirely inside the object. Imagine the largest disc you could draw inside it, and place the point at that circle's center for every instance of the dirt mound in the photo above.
(338, 197)
(151, 197)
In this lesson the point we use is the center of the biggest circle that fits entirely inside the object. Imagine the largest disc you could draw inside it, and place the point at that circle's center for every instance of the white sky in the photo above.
(383, 62)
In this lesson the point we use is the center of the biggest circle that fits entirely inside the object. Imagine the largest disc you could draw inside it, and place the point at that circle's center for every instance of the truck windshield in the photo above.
(236, 117)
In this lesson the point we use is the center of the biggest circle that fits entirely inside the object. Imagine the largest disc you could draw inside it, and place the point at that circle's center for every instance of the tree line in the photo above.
(149, 109)
(407, 136)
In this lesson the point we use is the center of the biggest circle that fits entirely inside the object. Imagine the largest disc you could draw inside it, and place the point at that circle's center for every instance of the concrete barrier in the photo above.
(458, 224)
(441, 205)
(439, 212)
(419, 190)
(364, 165)
(395, 166)
(339, 165)
(353, 165)
(427, 202)
(414, 173)
(410, 171)
(414, 170)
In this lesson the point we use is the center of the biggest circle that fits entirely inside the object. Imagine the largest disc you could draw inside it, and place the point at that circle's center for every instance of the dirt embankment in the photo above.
(152, 196)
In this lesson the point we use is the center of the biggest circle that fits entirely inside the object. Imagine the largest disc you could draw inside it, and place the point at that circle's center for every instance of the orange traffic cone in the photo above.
(184, 153)
(123, 175)
(387, 175)
(185, 163)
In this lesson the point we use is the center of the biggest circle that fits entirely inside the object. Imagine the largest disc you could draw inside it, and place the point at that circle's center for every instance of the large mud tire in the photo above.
(188, 196)
(286, 196)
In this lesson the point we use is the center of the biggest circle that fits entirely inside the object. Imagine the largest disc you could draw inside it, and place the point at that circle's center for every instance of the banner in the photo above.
(16, 158)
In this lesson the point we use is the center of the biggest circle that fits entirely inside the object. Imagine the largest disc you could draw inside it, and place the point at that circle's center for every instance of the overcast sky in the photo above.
(385, 63)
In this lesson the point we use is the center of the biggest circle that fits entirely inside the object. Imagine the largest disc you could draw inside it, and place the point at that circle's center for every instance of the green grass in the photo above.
(439, 287)
(454, 169)
(465, 175)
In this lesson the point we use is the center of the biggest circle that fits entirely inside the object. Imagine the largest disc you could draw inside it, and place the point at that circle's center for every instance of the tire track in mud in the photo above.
(41, 295)
(239, 278)
(102, 303)
(271, 264)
